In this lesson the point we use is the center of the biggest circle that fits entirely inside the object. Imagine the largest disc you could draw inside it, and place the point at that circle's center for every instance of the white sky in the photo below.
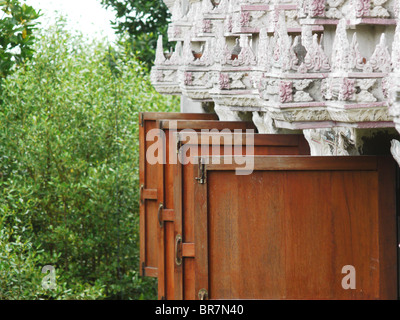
(87, 16)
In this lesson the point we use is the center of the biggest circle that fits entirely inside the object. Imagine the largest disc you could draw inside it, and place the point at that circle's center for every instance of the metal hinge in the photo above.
(143, 269)
(202, 172)
(178, 144)
(141, 120)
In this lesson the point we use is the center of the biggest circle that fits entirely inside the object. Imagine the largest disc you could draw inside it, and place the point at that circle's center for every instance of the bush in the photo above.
(69, 171)
(16, 35)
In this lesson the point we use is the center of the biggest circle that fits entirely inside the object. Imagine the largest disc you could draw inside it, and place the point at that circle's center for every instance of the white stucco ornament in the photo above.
(328, 68)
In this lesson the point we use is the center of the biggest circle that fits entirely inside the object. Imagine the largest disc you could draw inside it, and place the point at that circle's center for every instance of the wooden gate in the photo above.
(192, 144)
(148, 188)
(165, 213)
(298, 227)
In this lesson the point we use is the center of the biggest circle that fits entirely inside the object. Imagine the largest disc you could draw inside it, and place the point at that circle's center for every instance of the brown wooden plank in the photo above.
(168, 215)
(201, 236)
(152, 116)
(296, 163)
(142, 221)
(150, 194)
(232, 138)
(150, 272)
(147, 180)
(205, 124)
(387, 229)
(188, 250)
(178, 269)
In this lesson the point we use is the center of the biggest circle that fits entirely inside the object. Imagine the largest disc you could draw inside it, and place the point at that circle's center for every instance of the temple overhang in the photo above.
(327, 68)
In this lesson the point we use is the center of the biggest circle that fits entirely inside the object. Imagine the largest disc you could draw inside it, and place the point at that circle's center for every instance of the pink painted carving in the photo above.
(188, 78)
(317, 8)
(177, 31)
(228, 24)
(244, 18)
(224, 81)
(347, 90)
(362, 7)
(207, 26)
(285, 91)
(386, 85)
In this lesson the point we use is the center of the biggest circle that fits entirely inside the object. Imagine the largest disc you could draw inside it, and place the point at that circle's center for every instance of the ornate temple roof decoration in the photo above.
(292, 64)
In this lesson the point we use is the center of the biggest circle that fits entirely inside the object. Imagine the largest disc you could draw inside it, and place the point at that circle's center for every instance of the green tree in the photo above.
(69, 166)
(16, 34)
(143, 20)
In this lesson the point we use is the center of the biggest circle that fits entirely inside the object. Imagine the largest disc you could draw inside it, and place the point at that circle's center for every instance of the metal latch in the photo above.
(178, 144)
(203, 294)
(178, 250)
(202, 172)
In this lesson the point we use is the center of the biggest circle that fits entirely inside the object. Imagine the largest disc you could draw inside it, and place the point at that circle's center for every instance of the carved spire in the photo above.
(262, 53)
(396, 8)
(207, 6)
(380, 59)
(222, 7)
(356, 60)
(160, 59)
(176, 11)
(340, 49)
(187, 50)
(315, 59)
(396, 49)
(283, 54)
(176, 58)
(246, 55)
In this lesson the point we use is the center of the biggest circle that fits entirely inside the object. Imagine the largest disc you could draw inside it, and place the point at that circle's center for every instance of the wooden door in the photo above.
(193, 144)
(165, 213)
(298, 227)
(148, 188)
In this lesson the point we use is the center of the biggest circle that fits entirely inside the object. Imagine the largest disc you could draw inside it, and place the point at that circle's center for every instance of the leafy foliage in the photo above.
(69, 171)
(143, 20)
(16, 34)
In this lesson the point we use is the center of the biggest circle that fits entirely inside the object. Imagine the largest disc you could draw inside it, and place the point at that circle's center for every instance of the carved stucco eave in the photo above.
(266, 124)
(394, 110)
(395, 150)
(337, 141)
(335, 81)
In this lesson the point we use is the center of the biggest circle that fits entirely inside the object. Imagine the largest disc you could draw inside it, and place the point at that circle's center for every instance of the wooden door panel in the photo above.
(264, 144)
(286, 233)
(166, 235)
(148, 178)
